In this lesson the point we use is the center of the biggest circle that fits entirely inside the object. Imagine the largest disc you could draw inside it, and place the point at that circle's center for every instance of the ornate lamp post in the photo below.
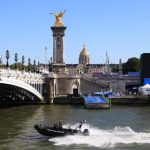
(34, 62)
(50, 65)
(29, 64)
(23, 61)
(0, 60)
(45, 56)
(7, 57)
(16, 59)
(38, 66)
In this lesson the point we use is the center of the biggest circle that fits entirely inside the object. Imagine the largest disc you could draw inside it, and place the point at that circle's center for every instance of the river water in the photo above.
(118, 128)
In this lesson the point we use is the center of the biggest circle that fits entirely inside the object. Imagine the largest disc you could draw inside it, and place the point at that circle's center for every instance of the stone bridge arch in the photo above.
(16, 90)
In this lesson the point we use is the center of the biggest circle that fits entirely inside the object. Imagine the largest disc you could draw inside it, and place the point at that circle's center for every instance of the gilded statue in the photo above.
(58, 17)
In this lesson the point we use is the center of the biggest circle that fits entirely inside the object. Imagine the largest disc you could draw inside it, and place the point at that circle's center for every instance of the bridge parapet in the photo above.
(116, 77)
(26, 77)
(64, 75)
(33, 79)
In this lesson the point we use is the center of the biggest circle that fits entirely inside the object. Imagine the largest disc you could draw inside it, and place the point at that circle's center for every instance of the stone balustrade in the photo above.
(34, 79)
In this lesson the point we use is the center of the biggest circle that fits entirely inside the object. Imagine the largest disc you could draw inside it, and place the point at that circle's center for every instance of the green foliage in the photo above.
(2, 66)
(19, 66)
(132, 65)
(115, 68)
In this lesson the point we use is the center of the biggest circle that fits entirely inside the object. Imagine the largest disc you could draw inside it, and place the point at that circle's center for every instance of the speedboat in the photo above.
(59, 131)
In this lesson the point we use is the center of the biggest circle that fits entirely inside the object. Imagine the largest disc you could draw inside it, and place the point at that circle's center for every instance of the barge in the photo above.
(97, 102)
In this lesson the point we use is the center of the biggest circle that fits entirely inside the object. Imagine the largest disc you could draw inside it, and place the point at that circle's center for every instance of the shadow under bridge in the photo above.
(14, 91)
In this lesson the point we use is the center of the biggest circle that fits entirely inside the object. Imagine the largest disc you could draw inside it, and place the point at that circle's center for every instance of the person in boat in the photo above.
(59, 123)
(55, 126)
(80, 125)
(70, 130)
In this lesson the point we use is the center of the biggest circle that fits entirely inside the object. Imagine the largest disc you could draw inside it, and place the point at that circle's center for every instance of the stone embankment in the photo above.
(68, 100)
(124, 100)
(131, 100)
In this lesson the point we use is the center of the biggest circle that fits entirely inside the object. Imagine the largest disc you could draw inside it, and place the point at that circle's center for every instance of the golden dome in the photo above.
(84, 52)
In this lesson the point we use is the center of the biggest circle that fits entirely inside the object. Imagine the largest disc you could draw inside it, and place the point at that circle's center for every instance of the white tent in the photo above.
(145, 89)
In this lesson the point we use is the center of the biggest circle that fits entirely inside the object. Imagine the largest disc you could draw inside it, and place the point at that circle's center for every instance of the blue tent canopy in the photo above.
(95, 99)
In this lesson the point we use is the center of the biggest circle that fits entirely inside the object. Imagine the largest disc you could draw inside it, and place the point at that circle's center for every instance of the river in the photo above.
(118, 128)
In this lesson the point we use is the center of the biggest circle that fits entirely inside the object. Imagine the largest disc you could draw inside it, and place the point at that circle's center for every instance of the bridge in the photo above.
(29, 88)
(20, 87)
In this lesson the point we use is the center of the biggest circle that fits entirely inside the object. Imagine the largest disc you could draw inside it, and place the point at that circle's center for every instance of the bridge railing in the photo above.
(36, 80)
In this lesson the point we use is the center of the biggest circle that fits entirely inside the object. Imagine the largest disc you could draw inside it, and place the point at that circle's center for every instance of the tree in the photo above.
(19, 66)
(132, 65)
(115, 68)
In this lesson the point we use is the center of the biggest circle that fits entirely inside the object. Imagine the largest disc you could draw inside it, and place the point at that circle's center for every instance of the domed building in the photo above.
(84, 65)
(84, 57)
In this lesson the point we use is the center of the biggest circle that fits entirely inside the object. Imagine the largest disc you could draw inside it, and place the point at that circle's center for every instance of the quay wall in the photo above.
(68, 100)
(122, 101)
(131, 100)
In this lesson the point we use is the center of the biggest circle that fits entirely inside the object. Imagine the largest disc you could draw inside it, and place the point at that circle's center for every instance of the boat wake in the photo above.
(104, 138)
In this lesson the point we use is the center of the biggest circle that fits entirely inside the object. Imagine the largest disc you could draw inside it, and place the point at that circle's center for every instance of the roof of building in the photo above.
(84, 52)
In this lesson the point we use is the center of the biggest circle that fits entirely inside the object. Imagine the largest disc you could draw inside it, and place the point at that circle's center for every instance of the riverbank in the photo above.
(131, 100)
(121, 100)
(68, 100)
(11, 104)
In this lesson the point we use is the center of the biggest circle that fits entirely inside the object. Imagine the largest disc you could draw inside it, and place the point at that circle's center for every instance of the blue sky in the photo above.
(120, 27)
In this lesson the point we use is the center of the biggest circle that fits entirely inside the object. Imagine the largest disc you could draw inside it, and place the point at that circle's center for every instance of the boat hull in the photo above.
(53, 132)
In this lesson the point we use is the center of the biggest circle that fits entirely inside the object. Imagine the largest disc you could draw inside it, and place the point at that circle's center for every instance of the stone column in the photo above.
(51, 91)
(54, 48)
(62, 41)
(58, 44)
(41, 89)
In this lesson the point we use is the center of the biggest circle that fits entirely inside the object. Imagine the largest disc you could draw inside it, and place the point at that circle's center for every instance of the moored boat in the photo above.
(97, 102)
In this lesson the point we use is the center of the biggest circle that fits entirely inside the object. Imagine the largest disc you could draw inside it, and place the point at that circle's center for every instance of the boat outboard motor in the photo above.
(86, 132)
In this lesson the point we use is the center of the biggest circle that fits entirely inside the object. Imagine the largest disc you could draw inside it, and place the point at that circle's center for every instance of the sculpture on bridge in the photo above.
(58, 17)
